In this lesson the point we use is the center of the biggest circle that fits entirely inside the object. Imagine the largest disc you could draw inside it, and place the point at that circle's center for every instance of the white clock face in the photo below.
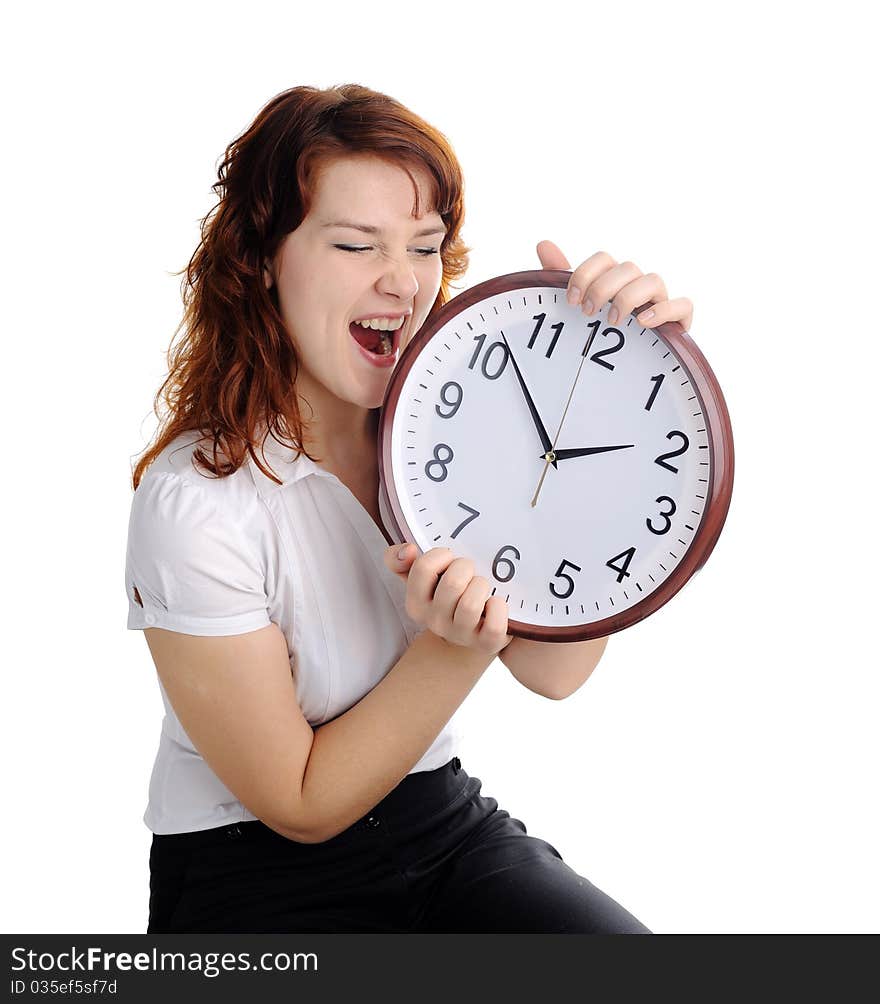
(607, 527)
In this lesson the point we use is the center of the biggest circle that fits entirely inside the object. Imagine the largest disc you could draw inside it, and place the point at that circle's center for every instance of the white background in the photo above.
(718, 772)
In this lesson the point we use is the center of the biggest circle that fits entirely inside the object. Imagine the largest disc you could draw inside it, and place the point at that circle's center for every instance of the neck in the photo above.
(342, 439)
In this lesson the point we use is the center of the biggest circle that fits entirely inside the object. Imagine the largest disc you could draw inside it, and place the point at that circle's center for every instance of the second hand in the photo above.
(550, 457)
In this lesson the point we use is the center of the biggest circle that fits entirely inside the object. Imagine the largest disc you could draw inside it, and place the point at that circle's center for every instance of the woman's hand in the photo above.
(600, 279)
(453, 607)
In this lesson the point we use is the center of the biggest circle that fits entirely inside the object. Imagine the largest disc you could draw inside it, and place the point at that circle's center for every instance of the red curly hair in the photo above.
(230, 374)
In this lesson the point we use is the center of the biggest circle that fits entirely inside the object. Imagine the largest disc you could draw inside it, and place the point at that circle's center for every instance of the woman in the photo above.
(306, 778)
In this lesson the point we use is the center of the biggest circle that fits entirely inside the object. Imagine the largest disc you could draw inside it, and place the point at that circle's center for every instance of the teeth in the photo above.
(382, 323)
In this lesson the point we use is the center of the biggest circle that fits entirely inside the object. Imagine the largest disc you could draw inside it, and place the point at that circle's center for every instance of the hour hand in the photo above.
(536, 418)
(588, 451)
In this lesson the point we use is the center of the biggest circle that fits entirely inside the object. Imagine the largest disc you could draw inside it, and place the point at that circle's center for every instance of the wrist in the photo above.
(458, 657)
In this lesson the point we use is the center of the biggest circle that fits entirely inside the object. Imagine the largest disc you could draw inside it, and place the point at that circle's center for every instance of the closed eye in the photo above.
(367, 247)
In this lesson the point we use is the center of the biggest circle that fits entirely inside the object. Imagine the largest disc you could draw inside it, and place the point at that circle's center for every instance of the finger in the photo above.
(608, 285)
(424, 576)
(586, 273)
(643, 289)
(470, 607)
(399, 557)
(550, 256)
(452, 584)
(494, 629)
(680, 309)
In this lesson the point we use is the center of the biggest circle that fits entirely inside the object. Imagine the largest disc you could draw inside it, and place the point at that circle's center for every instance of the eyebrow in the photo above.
(364, 228)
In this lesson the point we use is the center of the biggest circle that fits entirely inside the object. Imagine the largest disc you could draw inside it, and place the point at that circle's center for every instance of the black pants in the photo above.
(433, 855)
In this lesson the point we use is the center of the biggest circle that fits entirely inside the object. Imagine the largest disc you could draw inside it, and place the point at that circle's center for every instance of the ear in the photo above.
(267, 277)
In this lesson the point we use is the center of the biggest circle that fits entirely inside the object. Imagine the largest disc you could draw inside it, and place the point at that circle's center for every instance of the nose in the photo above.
(398, 279)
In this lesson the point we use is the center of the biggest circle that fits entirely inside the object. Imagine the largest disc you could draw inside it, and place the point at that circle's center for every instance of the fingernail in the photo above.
(612, 315)
(588, 307)
(648, 314)
(401, 553)
(573, 295)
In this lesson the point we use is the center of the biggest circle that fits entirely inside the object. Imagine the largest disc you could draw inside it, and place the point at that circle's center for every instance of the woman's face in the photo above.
(324, 285)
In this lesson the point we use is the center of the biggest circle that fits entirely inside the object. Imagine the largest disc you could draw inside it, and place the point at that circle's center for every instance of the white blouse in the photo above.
(226, 556)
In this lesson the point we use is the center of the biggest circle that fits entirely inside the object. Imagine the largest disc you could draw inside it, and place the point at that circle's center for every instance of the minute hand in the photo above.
(536, 418)
(588, 451)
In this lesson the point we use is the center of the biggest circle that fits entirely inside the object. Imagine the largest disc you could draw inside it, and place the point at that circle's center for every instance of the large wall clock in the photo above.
(585, 468)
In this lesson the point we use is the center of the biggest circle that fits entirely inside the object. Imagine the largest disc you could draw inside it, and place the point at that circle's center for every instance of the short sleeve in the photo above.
(190, 567)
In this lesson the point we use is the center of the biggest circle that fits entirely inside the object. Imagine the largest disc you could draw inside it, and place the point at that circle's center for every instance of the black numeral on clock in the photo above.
(540, 318)
(560, 574)
(665, 515)
(621, 570)
(452, 404)
(661, 460)
(474, 513)
(505, 355)
(440, 462)
(499, 560)
(659, 380)
(596, 357)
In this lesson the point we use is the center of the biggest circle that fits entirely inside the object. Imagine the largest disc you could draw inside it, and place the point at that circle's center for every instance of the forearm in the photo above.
(552, 669)
(359, 757)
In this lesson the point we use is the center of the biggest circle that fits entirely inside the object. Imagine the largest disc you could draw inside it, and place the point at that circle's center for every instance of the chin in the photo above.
(370, 401)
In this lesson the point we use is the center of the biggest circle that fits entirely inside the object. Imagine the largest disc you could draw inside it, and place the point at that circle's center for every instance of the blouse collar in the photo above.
(287, 466)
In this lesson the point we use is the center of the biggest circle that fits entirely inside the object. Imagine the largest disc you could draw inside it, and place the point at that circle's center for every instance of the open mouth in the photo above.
(379, 343)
